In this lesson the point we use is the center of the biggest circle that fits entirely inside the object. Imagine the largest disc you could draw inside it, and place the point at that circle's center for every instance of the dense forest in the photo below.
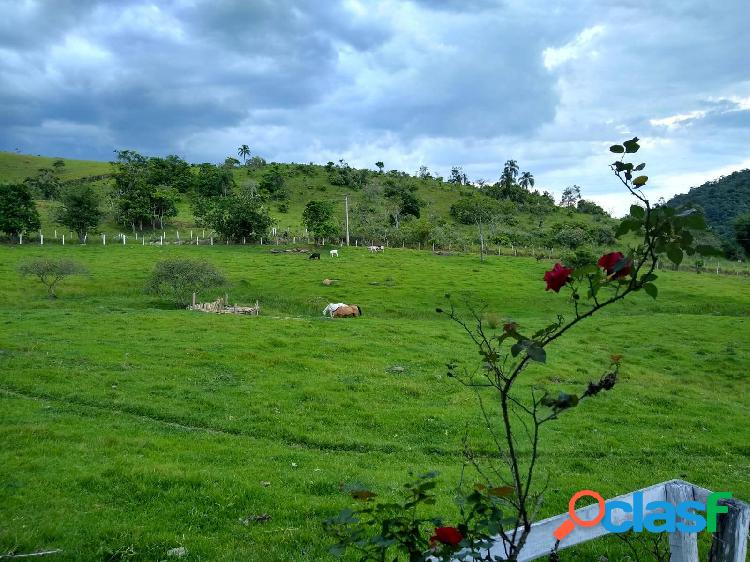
(723, 201)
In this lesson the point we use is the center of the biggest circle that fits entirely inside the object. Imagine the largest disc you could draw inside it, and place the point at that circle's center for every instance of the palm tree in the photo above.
(243, 152)
(526, 180)
(510, 169)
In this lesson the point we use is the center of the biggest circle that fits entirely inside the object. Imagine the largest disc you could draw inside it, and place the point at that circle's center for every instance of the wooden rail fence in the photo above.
(729, 543)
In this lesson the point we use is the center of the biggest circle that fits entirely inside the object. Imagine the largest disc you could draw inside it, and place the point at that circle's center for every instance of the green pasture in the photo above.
(129, 428)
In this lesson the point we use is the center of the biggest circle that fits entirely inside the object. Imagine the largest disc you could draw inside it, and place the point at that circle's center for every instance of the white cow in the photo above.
(334, 253)
(375, 249)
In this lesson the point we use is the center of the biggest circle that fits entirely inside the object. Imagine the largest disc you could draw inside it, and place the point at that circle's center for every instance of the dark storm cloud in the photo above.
(412, 82)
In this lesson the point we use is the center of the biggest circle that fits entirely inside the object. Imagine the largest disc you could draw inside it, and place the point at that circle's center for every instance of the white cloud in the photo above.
(575, 49)
(675, 120)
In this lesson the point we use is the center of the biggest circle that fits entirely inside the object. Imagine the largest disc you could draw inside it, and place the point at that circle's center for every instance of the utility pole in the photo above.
(346, 210)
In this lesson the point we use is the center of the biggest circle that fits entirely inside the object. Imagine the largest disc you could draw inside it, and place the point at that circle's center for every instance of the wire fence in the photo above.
(206, 237)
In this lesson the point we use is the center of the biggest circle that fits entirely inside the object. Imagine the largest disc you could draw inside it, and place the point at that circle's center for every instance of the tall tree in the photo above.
(741, 226)
(45, 183)
(80, 210)
(234, 217)
(457, 175)
(243, 152)
(318, 218)
(570, 196)
(18, 212)
(526, 180)
(379, 164)
(510, 172)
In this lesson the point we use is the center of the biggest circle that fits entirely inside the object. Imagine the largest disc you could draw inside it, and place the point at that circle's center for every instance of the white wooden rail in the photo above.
(729, 542)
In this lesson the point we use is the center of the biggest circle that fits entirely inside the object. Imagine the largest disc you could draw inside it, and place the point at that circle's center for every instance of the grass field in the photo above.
(130, 428)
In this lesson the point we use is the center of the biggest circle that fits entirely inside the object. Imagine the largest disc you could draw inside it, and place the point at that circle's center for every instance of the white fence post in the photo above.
(683, 547)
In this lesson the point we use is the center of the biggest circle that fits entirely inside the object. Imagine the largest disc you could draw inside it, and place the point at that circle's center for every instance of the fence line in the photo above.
(741, 268)
(729, 542)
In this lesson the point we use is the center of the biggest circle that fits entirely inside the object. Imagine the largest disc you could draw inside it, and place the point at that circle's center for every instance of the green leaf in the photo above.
(651, 290)
(696, 221)
(626, 225)
(707, 250)
(686, 239)
(640, 166)
(617, 148)
(640, 181)
(638, 212)
(516, 348)
(631, 145)
(536, 352)
(674, 253)
(649, 277)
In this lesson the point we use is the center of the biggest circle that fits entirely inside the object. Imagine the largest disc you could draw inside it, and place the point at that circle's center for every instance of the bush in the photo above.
(175, 280)
(51, 272)
(579, 257)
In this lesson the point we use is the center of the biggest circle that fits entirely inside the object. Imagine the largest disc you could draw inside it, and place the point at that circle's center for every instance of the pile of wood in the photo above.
(221, 306)
(290, 251)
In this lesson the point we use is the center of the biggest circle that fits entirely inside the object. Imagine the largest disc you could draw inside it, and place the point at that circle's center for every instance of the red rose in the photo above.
(446, 535)
(609, 263)
(557, 277)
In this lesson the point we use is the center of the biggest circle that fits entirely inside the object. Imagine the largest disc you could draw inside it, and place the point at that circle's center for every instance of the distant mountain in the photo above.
(721, 200)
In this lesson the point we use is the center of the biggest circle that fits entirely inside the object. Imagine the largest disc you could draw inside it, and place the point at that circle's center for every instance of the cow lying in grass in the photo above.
(342, 310)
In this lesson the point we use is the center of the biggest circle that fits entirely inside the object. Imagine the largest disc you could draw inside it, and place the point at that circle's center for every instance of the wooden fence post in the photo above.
(730, 539)
(683, 547)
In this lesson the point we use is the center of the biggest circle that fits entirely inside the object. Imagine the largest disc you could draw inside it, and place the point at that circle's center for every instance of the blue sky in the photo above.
(473, 83)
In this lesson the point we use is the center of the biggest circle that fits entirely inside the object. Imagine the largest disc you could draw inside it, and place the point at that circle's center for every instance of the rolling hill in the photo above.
(517, 224)
(721, 200)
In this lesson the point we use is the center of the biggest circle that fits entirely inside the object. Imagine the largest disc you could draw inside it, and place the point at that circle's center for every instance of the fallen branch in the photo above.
(31, 554)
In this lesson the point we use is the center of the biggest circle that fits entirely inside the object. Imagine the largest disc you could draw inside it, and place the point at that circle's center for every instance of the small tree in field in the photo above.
(18, 212)
(51, 272)
(176, 280)
(80, 210)
(318, 218)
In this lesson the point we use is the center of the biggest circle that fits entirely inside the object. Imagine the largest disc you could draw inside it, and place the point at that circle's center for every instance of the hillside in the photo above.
(529, 220)
(722, 200)
(16, 167)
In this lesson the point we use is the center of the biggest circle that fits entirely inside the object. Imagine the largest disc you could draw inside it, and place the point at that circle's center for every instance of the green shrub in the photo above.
(175, 280)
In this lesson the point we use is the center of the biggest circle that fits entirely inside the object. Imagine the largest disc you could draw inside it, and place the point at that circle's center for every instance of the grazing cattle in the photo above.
(347, 311)
(334, 253)
(341, 310)
(314, 256)
(328, 310)
(375, 249)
